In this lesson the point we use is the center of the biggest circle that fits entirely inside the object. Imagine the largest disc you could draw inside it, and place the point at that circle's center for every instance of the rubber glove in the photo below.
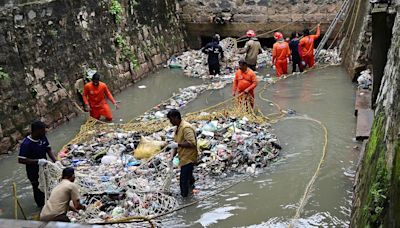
(42, 162)
(173, 145)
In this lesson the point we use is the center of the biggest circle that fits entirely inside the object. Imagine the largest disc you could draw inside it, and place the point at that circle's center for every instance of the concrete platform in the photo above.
(365, 119)
(8, 223)
(363, 100)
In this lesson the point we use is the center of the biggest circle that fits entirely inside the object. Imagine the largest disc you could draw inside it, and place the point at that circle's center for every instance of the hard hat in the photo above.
(250, 33)
(278, 36)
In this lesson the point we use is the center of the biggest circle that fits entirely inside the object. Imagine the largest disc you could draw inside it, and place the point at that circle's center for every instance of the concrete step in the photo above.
(365, 119)
(363, 100)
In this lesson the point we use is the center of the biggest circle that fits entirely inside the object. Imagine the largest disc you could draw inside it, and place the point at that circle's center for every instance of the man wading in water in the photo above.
(185, 144)
(94, 96)
(33, 153)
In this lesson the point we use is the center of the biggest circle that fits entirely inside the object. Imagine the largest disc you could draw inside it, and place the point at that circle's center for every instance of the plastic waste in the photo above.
(109, 159)
(175, 161)
(212, 126)
(148, 148)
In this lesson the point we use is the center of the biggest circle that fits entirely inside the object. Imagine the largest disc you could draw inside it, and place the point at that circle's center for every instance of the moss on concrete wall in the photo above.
(377, 201)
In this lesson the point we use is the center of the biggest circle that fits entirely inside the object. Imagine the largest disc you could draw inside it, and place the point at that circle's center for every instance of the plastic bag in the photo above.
(148, 148)
(211, 126)
(203, 144)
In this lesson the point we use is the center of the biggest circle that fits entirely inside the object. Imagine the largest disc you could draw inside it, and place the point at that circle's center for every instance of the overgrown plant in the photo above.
(3, 74)
(116, 10)
(126, 52)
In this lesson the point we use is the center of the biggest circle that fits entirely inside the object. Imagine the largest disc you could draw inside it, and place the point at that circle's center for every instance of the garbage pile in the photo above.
(234, 144)
(115, 183)
(194, 62)
(365, 79)
(330, 56)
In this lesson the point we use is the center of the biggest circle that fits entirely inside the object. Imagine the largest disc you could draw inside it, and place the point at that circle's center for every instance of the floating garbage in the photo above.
(365, 79)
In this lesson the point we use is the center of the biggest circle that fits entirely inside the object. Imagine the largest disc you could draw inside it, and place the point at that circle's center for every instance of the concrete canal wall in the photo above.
(233, 17)
(377, 187)
(47, 45)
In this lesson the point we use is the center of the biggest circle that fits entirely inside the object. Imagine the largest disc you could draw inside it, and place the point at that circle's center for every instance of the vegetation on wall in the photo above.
(116, 10)
(126, 52)
(3, 74)
(378, 182)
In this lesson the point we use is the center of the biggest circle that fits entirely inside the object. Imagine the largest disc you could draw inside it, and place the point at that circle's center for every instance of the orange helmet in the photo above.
(278, 36)
(250, 33)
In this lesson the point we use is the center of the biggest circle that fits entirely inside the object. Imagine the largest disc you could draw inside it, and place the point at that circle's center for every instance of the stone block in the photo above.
(16, 136)
(29, 79)
(51, 86)
(19, 119)
(40, 90)
(156, 59)
(62, 94)
(145, 32)
(39, 73)
(1, 132)
(31, 14)
(127, 75)
(279, 18)
(249, 18)
(144, 68)
(54, 98)
(5, 145)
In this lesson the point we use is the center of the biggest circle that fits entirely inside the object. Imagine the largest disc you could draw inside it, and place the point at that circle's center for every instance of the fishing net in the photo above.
(229, 45)
(116, 187)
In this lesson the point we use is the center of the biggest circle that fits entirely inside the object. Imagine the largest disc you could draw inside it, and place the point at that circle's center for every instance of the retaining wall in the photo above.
(46, 46)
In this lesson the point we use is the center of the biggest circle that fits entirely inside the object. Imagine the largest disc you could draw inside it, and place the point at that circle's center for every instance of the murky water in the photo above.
(270, 199)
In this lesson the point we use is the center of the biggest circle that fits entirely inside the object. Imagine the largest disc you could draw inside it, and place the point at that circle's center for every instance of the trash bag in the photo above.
(203, 144)
(212, 126)
(147, 148)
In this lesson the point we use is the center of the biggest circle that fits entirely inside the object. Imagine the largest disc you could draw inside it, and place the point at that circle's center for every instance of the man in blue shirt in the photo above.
(214, 52)
(33, 153)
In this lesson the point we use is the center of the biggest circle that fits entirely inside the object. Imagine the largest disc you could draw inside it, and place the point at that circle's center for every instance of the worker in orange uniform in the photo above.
(280, 55)
(94, 96)
(245, 81)
(307, 46)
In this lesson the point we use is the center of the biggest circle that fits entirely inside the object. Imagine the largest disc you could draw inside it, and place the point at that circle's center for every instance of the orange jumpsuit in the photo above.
(245, 80)
(97, 100)
(280, 53)
(307, 48)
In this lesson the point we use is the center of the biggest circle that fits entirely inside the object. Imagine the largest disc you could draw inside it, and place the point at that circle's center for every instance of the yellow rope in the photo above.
(281, 113)
(303, 200)
(15, 201)
(17, 204)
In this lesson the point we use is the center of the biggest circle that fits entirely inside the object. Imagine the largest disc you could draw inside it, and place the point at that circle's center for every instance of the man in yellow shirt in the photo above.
(59, 202)
(185, 144)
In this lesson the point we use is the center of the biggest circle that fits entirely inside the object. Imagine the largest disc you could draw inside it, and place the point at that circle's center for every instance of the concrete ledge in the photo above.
(365, 119)
(363, 100)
